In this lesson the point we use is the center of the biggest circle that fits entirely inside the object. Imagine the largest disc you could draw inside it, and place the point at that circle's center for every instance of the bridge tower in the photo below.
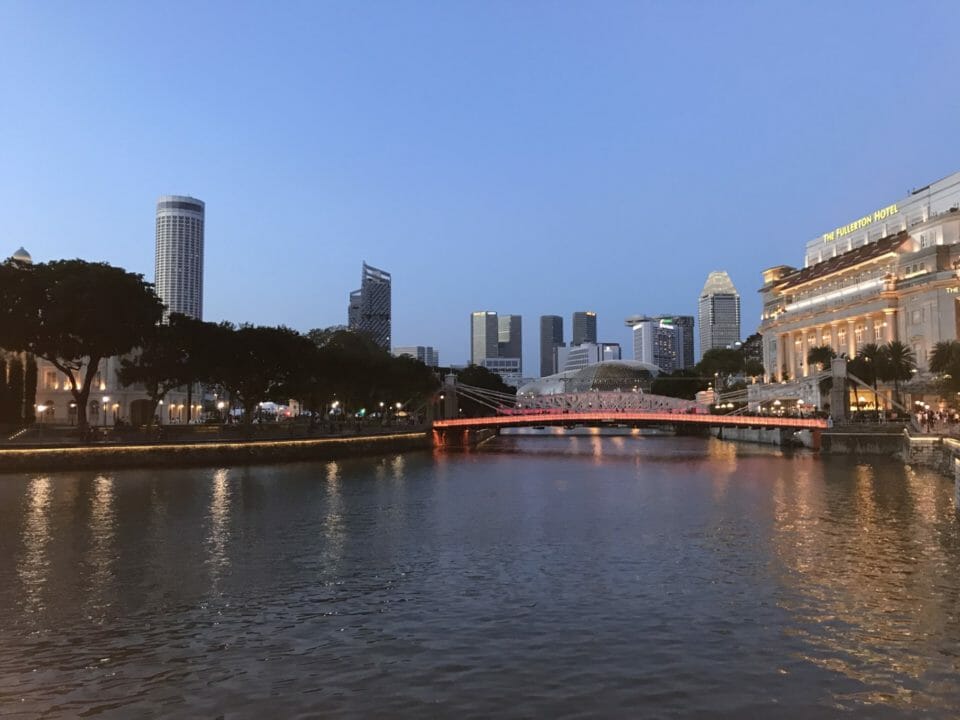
(838, 393)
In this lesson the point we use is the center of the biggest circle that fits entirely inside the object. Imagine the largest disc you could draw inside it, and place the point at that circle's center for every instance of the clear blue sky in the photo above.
(524, 157)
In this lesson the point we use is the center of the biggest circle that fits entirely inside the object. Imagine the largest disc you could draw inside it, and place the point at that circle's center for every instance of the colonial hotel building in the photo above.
(893, 274)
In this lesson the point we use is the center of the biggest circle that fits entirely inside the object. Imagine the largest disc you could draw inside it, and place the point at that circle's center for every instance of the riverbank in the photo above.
(112, 457)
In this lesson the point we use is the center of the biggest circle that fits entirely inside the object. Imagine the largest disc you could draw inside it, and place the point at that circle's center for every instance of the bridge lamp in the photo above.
(399, 405)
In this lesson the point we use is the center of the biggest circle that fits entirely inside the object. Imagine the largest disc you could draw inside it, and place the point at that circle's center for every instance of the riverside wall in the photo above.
(112, 457)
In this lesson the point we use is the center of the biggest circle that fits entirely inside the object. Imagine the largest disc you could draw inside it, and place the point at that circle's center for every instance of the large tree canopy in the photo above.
(73, 314)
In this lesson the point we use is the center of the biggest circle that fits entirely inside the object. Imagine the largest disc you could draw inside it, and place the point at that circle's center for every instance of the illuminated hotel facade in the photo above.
(893, 274)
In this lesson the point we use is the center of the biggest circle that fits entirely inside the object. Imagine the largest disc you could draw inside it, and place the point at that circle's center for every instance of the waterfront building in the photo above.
(719, 311)
(576, 357)
(369, 310)
(178, 262)
(510, 337)
(424, 353)
(551, 338)
(584, 328)
(664, 340)
(890, 275)
(484, 336)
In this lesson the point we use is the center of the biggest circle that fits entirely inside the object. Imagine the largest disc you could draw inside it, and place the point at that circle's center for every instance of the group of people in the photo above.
(945, 420)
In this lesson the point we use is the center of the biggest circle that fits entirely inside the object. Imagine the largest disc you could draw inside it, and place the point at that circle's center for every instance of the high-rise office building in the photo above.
(719, 311)
(178, 263)
(551, 338)
(484, 336)
(584, 328)
(370, 306)
(510, 338)
(424, 353)
(663, 340)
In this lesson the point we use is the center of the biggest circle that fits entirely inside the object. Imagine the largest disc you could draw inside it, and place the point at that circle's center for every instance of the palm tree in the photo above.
(945, 356)
(899, 363)
(821, 355)
(945, 359)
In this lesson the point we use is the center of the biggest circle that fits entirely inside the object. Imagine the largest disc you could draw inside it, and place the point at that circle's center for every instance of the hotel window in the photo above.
(842, 337)
(826, 339)
(858, 335)
(877, 331)
(50, 380)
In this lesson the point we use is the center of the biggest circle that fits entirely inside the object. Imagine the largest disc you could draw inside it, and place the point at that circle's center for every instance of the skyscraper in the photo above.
(370, 306)
(584, 328)
(719, 311)
(178, 263)
(665, 340)
(510, 338)
(484, 336)
(551, 337)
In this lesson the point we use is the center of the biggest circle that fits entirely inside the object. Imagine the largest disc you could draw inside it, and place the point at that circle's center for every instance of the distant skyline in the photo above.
(536, 158)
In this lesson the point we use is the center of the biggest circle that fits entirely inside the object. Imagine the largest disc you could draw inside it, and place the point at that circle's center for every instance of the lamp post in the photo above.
(103, 409)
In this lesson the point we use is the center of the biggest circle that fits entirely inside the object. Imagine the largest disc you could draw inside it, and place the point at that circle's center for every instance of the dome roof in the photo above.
(608, 376)
(23, 256)
(718, 283)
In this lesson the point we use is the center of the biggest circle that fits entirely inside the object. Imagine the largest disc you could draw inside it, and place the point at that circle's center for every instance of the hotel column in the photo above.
(851, 340)
(835, 338)
(781, 360)
(804, 364)
(792, 357)
(890, 318)
(819, 336)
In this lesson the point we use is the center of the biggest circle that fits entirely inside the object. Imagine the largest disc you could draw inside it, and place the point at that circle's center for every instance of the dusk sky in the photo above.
(524, 157)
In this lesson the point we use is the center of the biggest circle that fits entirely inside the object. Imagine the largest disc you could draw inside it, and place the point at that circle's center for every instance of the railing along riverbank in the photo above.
(112, 456)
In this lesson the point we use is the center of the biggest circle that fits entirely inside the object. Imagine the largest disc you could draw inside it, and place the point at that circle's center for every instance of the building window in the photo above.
(877, 331)
(858, 335)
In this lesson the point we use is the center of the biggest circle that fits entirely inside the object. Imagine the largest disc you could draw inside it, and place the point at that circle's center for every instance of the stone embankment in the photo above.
(112, 457)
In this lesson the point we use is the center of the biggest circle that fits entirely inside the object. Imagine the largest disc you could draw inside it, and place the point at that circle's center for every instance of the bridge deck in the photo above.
(568, 418)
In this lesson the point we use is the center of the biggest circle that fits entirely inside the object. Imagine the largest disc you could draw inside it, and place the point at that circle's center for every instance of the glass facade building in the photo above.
(551, 338)
(370, 307)
(719, 310)
(584, 328)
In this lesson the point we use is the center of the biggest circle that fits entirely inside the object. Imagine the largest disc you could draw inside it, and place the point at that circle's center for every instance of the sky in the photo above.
(529, 158)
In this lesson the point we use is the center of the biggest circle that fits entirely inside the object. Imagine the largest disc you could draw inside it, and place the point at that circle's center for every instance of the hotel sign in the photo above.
(881, 214)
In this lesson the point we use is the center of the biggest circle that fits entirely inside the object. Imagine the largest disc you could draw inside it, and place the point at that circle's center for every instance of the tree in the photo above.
(480, 377)
(15, 385)
(821, 356)
(685, 383)
(945, 361)
(5, 410)
(30, 390)
(899, 364)
(257, 364)
(73, 314)
(178, 353)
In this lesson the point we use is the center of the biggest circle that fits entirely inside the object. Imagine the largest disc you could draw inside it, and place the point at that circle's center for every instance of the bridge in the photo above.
(632, 409)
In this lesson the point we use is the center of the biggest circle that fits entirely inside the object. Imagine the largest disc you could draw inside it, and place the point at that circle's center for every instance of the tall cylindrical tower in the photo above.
(179, 255)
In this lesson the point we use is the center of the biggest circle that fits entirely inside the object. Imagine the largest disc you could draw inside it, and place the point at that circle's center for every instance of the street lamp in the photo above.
(103, 408)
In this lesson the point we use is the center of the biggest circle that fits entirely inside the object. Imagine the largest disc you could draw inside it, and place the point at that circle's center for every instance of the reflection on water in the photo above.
(617, 576)
(34, 564)
(101, 553)
(219, 533)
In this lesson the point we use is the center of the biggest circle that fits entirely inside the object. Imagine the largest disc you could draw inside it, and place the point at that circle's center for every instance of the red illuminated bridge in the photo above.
(455, 432)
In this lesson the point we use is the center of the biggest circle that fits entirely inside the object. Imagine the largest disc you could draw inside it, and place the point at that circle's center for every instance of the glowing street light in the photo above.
(103, 408)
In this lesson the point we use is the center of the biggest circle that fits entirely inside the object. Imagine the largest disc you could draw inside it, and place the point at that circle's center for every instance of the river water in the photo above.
(587, 576)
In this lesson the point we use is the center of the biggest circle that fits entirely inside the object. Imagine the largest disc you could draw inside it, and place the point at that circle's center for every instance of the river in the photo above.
(560, 576)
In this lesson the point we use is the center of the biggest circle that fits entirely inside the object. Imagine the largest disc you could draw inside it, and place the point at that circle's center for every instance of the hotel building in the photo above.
(178, 261)
(892, 274)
